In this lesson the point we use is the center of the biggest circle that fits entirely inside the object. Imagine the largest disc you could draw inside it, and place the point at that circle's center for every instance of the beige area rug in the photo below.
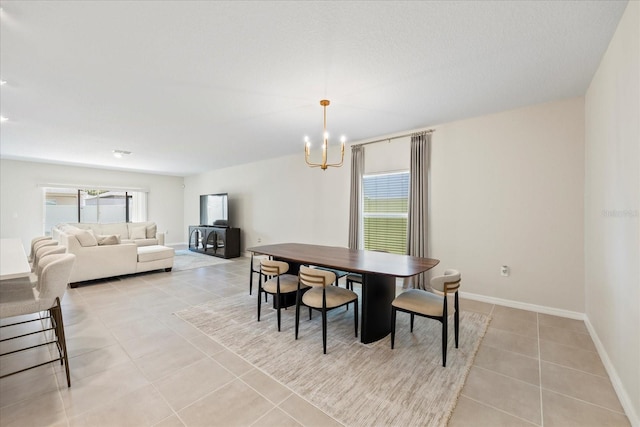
(187, 260)
(357, 384)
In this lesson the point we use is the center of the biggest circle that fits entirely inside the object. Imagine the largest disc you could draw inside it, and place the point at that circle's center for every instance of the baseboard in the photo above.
(625, 401)
(525, 306)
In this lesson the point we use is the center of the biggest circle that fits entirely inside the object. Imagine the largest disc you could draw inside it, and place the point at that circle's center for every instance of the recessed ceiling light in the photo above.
(120, 153)
(3, 119)
(3, 82)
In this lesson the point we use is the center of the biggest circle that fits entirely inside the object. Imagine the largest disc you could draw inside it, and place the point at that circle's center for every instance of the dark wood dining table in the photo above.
(378, 269)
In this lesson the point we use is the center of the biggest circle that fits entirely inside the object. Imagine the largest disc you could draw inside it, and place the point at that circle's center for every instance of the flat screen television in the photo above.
(214, 209)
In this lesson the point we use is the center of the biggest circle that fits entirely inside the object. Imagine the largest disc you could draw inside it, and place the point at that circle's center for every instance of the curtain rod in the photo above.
(393, 137)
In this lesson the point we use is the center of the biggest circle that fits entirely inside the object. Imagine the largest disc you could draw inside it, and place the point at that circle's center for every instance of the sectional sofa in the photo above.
(109, 250)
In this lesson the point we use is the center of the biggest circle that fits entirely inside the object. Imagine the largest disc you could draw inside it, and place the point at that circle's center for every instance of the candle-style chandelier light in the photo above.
(325, 144)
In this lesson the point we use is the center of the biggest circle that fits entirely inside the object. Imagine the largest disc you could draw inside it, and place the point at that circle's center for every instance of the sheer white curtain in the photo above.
(417, 242)
(355, 208)
(138, 211)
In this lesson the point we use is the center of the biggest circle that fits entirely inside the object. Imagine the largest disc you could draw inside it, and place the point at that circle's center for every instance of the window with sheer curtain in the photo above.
(385, 211)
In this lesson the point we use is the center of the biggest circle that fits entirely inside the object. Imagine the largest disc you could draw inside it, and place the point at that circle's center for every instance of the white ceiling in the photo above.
(190, 86)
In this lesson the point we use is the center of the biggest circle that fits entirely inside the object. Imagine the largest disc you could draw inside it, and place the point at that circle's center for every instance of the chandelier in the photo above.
(325, 144)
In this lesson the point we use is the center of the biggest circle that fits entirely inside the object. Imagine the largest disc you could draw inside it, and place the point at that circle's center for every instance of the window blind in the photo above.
(385, 211)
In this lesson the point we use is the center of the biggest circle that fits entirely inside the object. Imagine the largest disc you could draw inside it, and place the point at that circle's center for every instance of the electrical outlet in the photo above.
(259, 240)
(504, 270)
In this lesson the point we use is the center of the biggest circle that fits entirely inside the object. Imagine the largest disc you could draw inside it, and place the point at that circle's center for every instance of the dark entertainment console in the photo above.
(222, 242)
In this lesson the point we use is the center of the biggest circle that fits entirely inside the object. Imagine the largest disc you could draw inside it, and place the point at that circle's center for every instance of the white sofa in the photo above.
(109, 250)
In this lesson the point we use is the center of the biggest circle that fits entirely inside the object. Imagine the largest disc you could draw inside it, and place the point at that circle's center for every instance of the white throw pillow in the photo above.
(138, 233)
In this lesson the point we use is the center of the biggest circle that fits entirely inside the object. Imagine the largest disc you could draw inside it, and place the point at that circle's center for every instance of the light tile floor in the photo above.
(135, 364)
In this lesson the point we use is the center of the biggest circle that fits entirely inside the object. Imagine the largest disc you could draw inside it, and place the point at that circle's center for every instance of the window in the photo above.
(385, 211)
(82, 205)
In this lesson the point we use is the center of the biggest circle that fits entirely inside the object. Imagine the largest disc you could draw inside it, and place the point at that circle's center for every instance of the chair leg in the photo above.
(297, 311)
(265, 279)
(324, 330)
(277, 300)
(456, 319)
(251, 275)
(355, 316)
(61, 339)
(393, 326)
(444, 341)
(259, 299)
(411, 321)
(63, 342)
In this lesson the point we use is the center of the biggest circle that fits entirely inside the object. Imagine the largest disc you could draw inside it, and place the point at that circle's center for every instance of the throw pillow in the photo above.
(139, 233)
(112, 239)
(151, 231)
(86, 238)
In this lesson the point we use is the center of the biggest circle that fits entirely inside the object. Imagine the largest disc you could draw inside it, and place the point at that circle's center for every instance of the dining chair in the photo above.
(276, 282)
(33, 242)
(254, 268)
(323, 297)
(45, 251)
(353, 278)
(433, 305)
(338, 273)
(39, 244)
(45, 297)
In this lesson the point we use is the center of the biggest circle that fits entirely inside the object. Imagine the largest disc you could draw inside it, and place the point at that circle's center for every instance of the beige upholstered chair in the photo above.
(54, 274)
(33, 242)
(323, 297)
(254, 268)
(43, 251)
(279, 283)
(353, 278)
(39, 244)
(432, 305)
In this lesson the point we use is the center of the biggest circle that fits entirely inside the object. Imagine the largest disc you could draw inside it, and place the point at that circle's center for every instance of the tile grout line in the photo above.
(496, 409)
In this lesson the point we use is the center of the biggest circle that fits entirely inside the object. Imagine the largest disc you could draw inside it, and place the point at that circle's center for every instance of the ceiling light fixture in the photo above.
(325, 144)
(3, 119)
(120, 153)
(3, 82)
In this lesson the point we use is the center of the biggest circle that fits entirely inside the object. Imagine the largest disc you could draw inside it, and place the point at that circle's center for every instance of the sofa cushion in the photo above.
(145, 242)
(110, 239)
(154, 253)
(151, 231)
(85, 237)
(67, 228)
(117, 228)
(138, 233)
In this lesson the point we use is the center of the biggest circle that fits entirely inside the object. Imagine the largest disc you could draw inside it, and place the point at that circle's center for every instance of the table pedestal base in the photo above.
(378, 292)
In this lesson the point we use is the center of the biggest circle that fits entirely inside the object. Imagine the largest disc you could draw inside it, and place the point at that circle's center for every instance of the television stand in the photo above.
(223, 242)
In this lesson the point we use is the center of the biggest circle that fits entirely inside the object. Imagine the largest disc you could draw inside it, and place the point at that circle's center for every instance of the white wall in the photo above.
(278, 200)
(612, 202)
(506, 189)
(22, 202)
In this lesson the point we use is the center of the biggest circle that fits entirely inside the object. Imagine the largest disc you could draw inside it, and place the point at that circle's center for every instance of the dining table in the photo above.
(379, 271)
(13, 259)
